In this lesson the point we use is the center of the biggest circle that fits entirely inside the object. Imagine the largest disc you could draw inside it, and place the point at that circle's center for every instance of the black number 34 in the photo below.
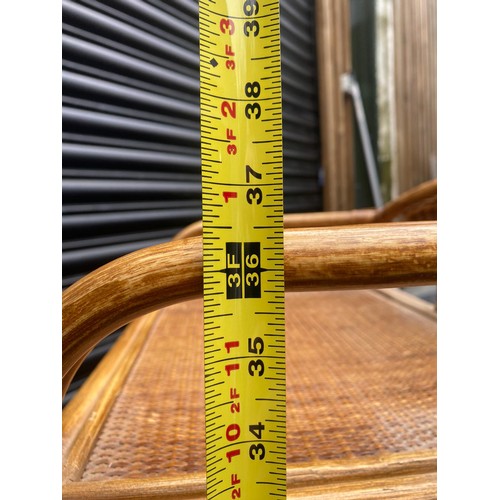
(257, 451)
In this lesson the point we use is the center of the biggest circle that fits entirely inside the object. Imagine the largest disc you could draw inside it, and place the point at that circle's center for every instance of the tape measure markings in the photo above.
(242, 248)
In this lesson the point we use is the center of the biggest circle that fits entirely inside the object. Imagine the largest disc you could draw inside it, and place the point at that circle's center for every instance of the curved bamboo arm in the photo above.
(414, 204)
(345, 257)
(68, 377)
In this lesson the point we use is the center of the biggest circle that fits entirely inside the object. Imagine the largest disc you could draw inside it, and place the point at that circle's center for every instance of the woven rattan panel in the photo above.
(361, 381)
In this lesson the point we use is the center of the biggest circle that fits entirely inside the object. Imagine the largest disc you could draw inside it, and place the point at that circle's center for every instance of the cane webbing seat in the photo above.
(355, 388)
(361, 374)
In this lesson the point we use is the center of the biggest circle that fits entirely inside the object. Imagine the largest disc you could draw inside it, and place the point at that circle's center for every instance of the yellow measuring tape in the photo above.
(242, 185)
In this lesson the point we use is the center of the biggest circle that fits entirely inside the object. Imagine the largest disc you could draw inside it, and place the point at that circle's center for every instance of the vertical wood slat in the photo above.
(334, 59)
(399, 44)
(405, 103)
(415, 80)
(424, 76)
(387, 130)
(432, 24)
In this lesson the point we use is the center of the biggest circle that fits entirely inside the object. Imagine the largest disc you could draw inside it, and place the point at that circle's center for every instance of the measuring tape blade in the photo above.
(242, 198)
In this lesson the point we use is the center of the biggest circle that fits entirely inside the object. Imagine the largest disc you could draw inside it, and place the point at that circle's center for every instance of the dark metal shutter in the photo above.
(130, 125)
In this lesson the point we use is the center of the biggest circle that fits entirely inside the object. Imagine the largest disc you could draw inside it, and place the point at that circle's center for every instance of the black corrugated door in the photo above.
(130, 126)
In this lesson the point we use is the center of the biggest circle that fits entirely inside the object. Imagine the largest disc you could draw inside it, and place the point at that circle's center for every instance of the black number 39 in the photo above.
(251, 27)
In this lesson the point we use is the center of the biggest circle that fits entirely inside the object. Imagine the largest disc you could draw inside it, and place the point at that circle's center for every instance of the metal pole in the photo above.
(350, 86)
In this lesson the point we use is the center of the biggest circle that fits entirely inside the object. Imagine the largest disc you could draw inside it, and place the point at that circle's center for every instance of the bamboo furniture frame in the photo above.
(359, 251)
(393, 255)
(355, 250)
(419, 203)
